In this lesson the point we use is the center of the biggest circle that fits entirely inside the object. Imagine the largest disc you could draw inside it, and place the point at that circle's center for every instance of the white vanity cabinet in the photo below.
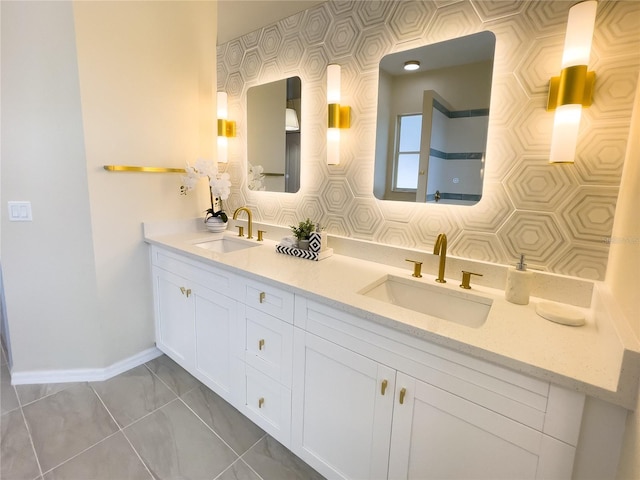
(174, 316)
(369, 403)
(351, 397)
(342, 409)
(196, 318)
(265, 347)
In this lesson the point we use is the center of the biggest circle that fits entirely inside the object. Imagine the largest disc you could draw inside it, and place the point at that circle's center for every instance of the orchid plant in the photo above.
(219, 184)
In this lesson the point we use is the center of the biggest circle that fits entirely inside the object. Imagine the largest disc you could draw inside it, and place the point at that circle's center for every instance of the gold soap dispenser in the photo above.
(518, 285)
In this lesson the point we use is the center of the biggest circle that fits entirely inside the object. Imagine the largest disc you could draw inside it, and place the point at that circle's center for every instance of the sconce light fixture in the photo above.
(338, 116)
(411, 65)
(573, 89)
(226, 127)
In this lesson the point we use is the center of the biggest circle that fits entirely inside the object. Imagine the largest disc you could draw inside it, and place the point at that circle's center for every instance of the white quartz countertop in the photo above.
(595, 358)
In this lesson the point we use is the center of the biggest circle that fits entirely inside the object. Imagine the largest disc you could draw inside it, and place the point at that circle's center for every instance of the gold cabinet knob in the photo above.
(261, 344)
(263, 296)
(403, 393)
(183, 290)
(260, 402)
(466, 279)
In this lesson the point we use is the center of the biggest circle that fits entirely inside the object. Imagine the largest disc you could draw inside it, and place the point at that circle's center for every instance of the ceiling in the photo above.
(239, 17)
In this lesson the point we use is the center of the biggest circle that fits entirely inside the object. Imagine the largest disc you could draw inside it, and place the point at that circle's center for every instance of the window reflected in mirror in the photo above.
(432, 121)
(274, 135)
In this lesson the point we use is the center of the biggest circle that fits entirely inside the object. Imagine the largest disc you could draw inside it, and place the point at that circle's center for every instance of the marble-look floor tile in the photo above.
(111, 459)
(17, 458)
(177, 378)
(238, 471)
(133, 394)
(272, 461)
(8, 397)
(31, 393)
(233, 427)
(66, 423)
(175, 444)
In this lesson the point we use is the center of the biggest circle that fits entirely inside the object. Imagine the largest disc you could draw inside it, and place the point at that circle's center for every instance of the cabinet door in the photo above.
(438, 435)
(175, 334)
(215, 320)
(341, 413)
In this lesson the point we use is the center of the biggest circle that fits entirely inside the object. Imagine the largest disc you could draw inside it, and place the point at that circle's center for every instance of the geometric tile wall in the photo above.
(560, 216)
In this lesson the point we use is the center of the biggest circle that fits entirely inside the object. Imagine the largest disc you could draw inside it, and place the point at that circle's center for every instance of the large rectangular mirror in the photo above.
(273, 136)
(433, 115)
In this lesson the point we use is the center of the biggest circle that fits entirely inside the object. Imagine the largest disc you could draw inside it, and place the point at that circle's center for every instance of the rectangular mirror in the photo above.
(273, 136)
(431, 130)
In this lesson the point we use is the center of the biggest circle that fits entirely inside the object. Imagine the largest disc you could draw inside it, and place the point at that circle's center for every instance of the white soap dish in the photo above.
(562, 314)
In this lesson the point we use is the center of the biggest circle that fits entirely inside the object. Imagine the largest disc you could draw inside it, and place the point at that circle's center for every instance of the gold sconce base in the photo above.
(574, 86)
(338, 116)
(226, 128)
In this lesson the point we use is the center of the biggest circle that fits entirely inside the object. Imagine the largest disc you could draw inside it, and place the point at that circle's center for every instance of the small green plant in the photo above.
(303, 230)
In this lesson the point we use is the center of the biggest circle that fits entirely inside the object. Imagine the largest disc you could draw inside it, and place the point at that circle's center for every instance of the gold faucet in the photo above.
(249, 221)
(440, 248)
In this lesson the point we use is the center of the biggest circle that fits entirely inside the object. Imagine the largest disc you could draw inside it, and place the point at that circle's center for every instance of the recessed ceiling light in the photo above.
(412, 65)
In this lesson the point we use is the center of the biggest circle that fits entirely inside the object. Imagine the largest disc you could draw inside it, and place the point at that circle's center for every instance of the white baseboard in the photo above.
(84, 374)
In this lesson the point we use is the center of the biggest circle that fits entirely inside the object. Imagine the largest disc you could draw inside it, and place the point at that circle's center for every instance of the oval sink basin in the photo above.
(459, 307)
(226, 244)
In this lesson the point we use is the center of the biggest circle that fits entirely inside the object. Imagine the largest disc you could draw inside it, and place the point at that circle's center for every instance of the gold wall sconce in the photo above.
(338, 116)
(573, 89)
(226, 127)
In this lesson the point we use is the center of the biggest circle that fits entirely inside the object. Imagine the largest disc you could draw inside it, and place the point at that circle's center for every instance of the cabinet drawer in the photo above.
(269, 299)
(269, 405)
(216, 279)
(268, 345)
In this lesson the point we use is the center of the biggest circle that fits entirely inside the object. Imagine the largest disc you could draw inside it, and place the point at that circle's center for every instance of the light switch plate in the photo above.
(20, 212)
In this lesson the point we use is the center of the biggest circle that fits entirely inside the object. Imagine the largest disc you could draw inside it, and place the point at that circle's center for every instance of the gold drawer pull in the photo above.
(262, 297)
(260, 344)
(188, 292)
(403, 392)
(260, 402)
(383, 387)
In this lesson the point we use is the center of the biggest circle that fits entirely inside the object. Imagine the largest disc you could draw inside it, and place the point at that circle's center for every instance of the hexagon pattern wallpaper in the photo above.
(560, 216)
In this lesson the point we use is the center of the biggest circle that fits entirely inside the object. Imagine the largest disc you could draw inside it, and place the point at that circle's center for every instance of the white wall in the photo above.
(84, 85)
(623, 270)
(49, 272)
(147, 80)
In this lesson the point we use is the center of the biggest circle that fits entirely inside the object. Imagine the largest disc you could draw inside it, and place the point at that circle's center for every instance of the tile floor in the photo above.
(153, 422)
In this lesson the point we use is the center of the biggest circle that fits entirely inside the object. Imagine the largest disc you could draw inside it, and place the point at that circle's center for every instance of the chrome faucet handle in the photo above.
(466, 279)
(417, 266)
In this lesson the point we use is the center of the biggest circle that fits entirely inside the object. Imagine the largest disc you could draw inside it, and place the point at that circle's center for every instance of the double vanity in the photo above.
(365, 371)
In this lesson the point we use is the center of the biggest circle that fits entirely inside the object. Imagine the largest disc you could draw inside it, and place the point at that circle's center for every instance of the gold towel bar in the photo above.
(127, 168)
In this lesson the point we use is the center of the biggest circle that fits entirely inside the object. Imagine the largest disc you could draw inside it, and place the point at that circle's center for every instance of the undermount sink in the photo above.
(459, 307)
(226, 244)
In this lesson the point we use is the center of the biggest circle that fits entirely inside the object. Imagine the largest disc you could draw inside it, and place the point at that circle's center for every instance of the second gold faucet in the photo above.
(440, 248)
